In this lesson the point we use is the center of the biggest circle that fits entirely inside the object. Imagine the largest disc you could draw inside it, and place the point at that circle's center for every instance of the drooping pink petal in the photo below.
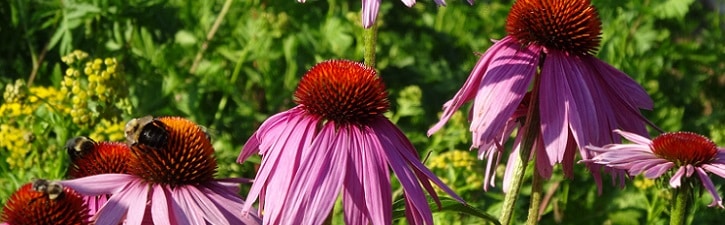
(211, 212)
(716, 168)
(376, 175)
(657, 170)
(321, 176)
(160, 206)
(417, 209)
(676, 179)
(228, 201)
(473, 84)
(556, 102)
(189, 210)
(502, 88)
(710, 187)
(401, 142)
(355, 210)
(631, 92)
(281, 162)
(271, 129)
(118, 205)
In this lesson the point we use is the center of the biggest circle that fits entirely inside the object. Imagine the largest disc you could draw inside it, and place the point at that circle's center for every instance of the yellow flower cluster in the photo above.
(643, 183)
(15, 106)
(463, 164)
(455, 158)
(16, 142)
(108, 131)
(95, 89)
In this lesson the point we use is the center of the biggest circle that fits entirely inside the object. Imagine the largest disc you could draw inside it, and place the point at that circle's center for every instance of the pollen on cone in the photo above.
(570, 26)
(684, 148)
(186, 155)
(342, 91)
(36, 203)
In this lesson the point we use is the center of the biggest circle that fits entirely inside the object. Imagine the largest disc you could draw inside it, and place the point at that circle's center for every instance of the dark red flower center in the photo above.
(572, 26)
(91, 158)
(342, 91)
(43, 202)
(684, 148)
(170, 151)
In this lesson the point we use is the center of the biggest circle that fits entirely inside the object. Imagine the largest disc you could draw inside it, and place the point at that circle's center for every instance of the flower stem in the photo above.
(370, 38)
(531, 130)
(678, 215)
(535, 202)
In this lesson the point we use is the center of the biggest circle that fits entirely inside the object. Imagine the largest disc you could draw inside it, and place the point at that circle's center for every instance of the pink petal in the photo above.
(417, 209)
(100, 184)
(499, 61)
(718, 169)
(160, 206)
(556, 106)
(354, 208)
(637, 139)
(211, 212)
(137, 208)
(369, 12)
(321, 176)
(228, 201)
(676, 179)
(133, 195)
(502, 89)
(707, 183)
(189, 210)
(280, 162)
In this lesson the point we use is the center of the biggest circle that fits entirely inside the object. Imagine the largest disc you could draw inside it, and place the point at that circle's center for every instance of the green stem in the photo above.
(531, 130)
(370, 38)
(535, 198)
(678, 215)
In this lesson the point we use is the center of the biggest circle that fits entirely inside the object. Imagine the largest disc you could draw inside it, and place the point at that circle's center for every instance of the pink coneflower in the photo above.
(580, 99)
(42, 202)
(171, 176)
(688, 152)
(89, 158)
(337, 140)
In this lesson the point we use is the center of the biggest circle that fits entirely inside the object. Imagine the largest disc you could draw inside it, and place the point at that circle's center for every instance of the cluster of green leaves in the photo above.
(229, 65)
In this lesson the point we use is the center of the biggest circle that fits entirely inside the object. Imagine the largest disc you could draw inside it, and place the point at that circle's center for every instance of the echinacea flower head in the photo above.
(170, 176)
(676, 154)
(44, 203)
(337, 142)
(577, 98)
(89, 158)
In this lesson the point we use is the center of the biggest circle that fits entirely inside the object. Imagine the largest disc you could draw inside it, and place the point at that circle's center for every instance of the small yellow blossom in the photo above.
(107, 130)
(15, 143)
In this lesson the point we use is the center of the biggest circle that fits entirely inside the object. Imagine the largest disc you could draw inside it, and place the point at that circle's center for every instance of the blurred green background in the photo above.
(228, 65)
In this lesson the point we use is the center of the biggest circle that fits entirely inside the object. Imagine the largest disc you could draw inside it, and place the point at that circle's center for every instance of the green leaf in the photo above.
(447, 205)
(672, 9)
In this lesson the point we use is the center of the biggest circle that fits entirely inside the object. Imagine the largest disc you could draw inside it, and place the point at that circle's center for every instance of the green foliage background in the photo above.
(247, 70)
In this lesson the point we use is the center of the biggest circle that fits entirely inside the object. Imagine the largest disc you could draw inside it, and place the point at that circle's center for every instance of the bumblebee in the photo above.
(52, 188)
(79, 146)
(146, 130)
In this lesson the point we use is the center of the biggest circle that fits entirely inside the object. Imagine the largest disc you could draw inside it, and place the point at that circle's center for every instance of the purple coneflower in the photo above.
(43, 202)
(89, 158)
(580, 99)
(171, 176)
(337, 140)
(688, 152)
